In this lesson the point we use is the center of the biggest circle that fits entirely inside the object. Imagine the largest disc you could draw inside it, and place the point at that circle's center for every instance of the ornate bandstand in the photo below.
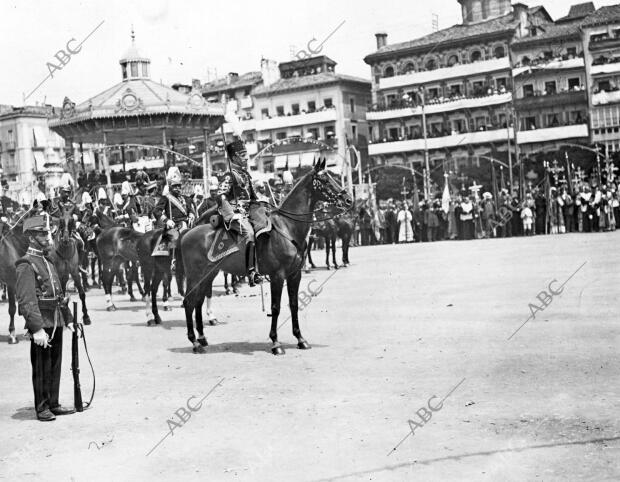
(139, 111)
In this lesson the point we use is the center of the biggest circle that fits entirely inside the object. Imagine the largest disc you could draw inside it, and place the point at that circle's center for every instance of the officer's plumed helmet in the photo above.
(236, 148)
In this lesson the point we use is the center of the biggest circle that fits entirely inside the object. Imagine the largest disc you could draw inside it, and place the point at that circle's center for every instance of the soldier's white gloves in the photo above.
(40, 338)
(75, 217)
(170, 224)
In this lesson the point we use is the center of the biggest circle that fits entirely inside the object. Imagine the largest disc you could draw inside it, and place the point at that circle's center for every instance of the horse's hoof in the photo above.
(336, 266)
(328, 268)
(277, 350)
(198, 349)
(203, 342)
(167, 308)
(307, 270)
(86, 320)
(13, 340)
(212, 321)
(157, 320)
(111, 308)
(227, 292)
(150, 322)
(303, 345)
(132, 298)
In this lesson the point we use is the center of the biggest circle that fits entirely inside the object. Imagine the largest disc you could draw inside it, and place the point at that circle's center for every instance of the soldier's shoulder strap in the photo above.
(26, 260)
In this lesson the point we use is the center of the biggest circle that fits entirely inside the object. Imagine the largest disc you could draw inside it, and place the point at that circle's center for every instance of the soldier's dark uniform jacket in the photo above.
(175, 208)
(68, 206)
(43, 306)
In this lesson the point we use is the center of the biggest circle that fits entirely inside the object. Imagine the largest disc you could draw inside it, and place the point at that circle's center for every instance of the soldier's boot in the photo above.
(253, 276)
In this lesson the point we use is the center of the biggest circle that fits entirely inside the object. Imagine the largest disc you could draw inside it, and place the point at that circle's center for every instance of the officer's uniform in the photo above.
(177, 209)
(42, 303)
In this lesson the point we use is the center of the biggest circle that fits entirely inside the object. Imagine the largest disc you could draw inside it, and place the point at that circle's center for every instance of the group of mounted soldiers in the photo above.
(39, 292)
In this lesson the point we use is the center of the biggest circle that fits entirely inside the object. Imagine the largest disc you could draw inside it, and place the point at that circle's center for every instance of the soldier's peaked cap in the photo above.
(36, 223)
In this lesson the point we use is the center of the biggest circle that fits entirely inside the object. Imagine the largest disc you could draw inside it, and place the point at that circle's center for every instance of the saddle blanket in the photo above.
(224, 243)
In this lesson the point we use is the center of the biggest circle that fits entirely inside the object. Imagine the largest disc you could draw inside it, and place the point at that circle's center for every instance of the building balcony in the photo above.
(553, 134)
(328, 115)
(548, 100)
(547, 65)
(604, 98)
(244, 125)
(440, 75)
(454, 140)
(439, 107)
(604, 69)
(604, 43)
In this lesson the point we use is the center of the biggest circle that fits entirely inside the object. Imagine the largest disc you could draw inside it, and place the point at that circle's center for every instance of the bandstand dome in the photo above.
(137, 110)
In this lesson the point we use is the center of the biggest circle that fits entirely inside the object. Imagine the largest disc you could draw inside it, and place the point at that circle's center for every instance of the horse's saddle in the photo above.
(165, 244)
(223, 243)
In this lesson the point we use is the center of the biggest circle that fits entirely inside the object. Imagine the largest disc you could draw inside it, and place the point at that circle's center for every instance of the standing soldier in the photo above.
(44, 306)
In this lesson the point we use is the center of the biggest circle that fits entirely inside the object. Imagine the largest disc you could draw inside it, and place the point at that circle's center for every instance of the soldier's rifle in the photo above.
(75, 364)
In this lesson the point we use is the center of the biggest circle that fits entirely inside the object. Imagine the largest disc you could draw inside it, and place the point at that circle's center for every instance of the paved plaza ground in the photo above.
(402, 324)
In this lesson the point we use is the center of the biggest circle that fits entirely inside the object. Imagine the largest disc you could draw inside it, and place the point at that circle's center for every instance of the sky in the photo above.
(188, 39)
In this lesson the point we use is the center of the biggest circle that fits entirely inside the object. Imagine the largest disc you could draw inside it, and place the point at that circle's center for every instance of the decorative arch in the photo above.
(409, 68)
(388, 71)
(431, 64)
(499, 52)
(475, 55)
(453, 60)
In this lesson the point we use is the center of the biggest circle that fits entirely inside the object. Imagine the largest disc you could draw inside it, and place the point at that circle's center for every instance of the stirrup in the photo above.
(254, 278)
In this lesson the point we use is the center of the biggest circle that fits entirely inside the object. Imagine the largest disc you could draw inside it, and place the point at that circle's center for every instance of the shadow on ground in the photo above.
(240, 347)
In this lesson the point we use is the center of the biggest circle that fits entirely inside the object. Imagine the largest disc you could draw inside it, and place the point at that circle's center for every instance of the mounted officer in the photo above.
(235, 190)
(64, 204)
(129, 210)
(174, 212)
(147, 201)
(44, 306)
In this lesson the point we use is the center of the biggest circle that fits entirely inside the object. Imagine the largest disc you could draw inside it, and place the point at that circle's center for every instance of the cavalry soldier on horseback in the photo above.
(235, 188)
(44, 306)
(173, 212)
(147, 201)
(63, 204)
(129, 210)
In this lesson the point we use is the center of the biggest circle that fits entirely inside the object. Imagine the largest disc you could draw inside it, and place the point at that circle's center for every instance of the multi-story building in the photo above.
(601, 41)
(455, 85)
(550, 95)
(320, 111)
(29, 150)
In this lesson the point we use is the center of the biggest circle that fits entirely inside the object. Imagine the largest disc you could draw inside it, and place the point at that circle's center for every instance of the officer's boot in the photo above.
(253, 276)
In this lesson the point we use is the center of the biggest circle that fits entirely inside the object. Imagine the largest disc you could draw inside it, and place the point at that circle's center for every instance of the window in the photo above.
(501, 82)
(124, 66)
(530, 123)
(459, 126)
(431, 64)
(328, 103)
(388, 72)
(409, 68)
(314, 132)
(485, 9)
(478, 88)
(548, 54)
(481, 123)
(264, 113)
(281, 135)
(455, 89)
(354, 133)
(526, 60)
(574, 83)
(352, 104)
(280, 110)
(393, 134)
(249, 137)
(571, 51)
(134, 69)
(528, 90)
(246, 92)
(433, 93)
(311, 106)
(500, 52)
(295, 109)
(476, 55)
(552, 120)
(604, 86)
(145, 69)
(330, 132)
(550, 87)
(453, 60)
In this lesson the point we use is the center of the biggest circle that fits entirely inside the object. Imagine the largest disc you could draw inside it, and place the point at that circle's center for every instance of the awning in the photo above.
(39, 159)
(280, 162)
(39, 139)
(293, 161)
(308, 158)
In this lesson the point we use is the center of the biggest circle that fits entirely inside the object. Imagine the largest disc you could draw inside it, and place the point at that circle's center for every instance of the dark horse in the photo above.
(66, 256)
(328, 230)
(280, 255)
(13, 245)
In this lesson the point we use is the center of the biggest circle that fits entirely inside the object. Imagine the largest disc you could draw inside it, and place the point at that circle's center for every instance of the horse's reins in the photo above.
(15, 225)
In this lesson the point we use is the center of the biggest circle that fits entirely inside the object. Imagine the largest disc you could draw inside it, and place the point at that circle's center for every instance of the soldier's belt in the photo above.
(50, 303)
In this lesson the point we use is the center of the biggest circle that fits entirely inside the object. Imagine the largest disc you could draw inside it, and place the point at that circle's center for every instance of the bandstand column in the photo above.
(206, 163)
(106, 166)
(164, 142)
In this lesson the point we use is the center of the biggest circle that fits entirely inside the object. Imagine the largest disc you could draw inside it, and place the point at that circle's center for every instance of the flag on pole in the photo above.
(445, 199)
(494, 182)
(416, 197)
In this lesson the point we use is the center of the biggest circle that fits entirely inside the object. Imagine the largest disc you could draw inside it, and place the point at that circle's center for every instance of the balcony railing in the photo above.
(604, 97)
(328, 115)
(553, 133)
(444, 141)
(436, 106)
(604, 42)
(542, 99)
(557, 63)
(458, 70)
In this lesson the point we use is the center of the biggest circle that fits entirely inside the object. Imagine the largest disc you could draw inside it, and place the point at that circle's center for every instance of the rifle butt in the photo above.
(75, 364)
